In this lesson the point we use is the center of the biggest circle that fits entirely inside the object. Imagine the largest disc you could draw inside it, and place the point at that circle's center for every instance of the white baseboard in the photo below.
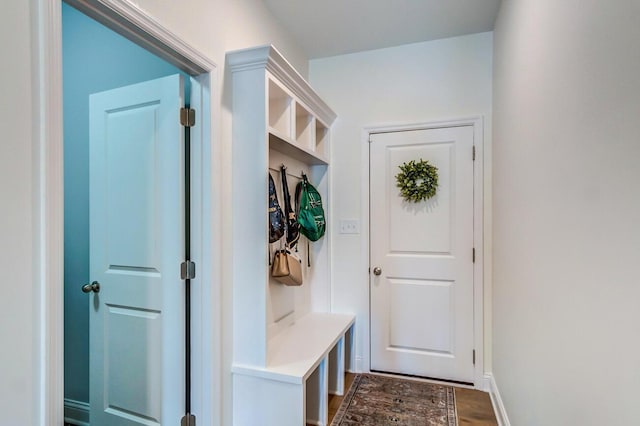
(491, 386)
(76, 412)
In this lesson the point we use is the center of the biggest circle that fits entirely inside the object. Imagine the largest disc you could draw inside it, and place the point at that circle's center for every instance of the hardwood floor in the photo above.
(474, 407)
(335, 400)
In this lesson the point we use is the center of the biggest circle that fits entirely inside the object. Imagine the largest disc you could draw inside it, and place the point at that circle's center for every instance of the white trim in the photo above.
(132, 22)
(478, 227)
(496, 400)
(48, 206)
(76, 412)
(478, 243)
(363, 362)
(268, 57)
(206, 362)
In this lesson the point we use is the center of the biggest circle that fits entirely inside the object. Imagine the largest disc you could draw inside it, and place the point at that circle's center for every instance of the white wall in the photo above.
(420, 82)
(213, 27)
(17, 297)
(566, 210)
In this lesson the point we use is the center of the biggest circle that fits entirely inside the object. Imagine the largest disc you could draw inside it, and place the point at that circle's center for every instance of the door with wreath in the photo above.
(421, 242)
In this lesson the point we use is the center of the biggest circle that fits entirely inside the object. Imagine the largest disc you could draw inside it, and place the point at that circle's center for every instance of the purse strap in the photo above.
(293, 227)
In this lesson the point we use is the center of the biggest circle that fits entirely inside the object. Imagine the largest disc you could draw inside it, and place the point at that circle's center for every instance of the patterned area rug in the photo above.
(380, 401)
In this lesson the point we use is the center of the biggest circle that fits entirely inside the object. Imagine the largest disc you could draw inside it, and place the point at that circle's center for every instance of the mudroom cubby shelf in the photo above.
(289, 350)
(305, 155)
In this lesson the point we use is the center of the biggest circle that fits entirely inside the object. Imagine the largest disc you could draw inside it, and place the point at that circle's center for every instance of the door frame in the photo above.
(135, 24)
(477, 122)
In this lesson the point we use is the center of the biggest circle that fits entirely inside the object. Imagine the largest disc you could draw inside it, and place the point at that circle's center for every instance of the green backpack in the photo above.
(309, 210)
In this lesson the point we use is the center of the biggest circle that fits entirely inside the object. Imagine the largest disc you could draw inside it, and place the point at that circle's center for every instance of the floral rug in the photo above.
(380, 401)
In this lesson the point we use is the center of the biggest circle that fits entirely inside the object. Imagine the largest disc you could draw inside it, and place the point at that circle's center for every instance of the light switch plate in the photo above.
(349, 226)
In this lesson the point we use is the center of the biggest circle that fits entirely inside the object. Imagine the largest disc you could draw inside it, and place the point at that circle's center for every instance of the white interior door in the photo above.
(422, 301)
(137, 244)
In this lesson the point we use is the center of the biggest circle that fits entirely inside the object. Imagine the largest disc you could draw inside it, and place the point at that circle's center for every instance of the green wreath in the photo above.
(417, 180)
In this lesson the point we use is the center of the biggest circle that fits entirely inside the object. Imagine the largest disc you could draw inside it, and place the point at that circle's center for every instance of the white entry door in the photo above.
(422, 299)
(137, 244)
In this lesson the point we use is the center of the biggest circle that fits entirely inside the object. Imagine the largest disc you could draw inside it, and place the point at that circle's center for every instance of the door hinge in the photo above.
(474, 357)
(473, 153)
(187, 117)
(473, 255)
(188, 420)
(187, 270)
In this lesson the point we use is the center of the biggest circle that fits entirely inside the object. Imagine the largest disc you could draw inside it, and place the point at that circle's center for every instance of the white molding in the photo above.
(48, 209)
(269, 57)
(496, 400)
(132, 22)
(363, 363)
(436, 124)
(478, 225)
(76, 412)
(478, 243)
(205, 332)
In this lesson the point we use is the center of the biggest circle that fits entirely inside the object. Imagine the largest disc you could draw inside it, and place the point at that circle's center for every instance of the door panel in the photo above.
(133, 387)
(130, 191)
(137, 244)
(422, 303)
(407, 219)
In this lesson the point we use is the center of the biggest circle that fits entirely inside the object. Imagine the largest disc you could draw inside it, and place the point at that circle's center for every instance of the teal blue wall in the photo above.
(94, 59)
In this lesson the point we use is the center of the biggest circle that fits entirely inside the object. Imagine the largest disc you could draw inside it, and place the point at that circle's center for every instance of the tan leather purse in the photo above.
(286, 268)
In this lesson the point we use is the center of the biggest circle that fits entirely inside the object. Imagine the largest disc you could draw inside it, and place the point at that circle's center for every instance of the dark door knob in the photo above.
(93, 287)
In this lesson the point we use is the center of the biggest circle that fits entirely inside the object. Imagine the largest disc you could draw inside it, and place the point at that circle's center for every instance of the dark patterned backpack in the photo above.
(276, 217)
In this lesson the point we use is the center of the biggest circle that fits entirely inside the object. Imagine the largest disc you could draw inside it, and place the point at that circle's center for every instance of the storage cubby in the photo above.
(321, 139)
(316, 396)
(304, 127)
(288, 347)
(280, 105)
(285, 304)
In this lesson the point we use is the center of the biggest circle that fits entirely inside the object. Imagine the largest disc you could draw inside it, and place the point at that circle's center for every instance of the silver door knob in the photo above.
(93, 287)
(377, 271)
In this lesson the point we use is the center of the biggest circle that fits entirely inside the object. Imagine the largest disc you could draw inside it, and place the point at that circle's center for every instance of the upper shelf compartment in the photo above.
(279, 112)
(297, 120)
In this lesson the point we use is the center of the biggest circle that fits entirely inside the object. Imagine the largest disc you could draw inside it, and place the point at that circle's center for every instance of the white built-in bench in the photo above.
(306, 363)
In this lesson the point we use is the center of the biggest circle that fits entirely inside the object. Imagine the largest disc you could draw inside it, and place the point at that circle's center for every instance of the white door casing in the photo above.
(123, 17)
(137, 244)
(422, 304)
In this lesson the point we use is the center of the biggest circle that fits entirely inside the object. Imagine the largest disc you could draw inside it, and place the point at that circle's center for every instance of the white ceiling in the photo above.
(334, 27)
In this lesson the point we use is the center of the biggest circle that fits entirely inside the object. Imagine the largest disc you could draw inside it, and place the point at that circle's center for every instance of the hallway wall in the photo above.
(94, 59)
(419, 82)
(566, 208)
(19, 298)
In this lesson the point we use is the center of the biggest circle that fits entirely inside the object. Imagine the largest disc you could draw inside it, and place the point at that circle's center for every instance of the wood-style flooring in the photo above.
(474, 407)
